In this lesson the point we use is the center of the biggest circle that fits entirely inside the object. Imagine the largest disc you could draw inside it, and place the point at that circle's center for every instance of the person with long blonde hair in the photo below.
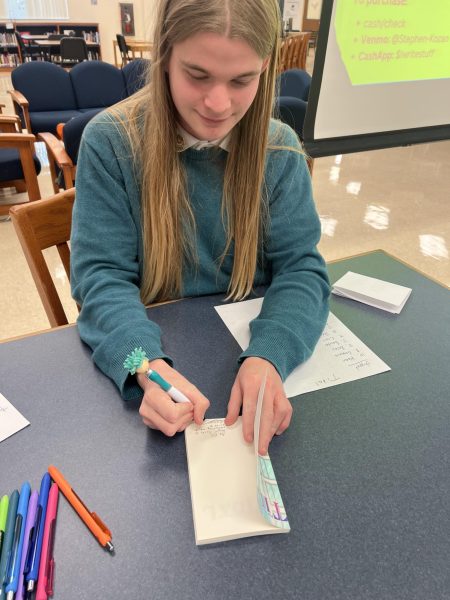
(189, 187)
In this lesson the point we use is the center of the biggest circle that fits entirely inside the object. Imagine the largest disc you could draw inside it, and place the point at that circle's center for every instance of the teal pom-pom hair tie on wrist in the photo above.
(137, 362)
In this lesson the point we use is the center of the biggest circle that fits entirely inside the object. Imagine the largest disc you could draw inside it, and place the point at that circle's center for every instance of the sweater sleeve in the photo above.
(295, 306)
(105, 268)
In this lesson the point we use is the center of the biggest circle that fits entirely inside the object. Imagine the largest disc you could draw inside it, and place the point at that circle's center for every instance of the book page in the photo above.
(269, 497)
(222, 477)
(234, 491)
(340, 356)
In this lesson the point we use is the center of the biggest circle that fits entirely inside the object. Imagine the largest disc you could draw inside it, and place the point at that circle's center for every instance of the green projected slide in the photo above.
(383, 41)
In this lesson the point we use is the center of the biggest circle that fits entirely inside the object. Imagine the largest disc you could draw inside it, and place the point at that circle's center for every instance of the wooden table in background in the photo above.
(135, 46)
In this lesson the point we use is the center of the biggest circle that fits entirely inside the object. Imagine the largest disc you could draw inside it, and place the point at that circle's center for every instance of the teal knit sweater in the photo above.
(107, 253)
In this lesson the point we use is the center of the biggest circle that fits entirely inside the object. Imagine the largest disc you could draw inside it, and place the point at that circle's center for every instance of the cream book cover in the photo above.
(234, 491)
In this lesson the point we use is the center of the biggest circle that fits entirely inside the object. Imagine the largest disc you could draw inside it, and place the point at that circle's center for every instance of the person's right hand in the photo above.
(159, 411)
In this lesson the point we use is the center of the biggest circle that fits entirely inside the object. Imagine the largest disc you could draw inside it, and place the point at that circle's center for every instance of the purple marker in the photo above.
(31, 517)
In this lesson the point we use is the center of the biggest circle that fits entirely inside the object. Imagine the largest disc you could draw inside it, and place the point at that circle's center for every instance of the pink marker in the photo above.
(47, 564)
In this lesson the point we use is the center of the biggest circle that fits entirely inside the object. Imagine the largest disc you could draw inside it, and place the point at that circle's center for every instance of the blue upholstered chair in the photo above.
(292, 111)
(97, 85)
(63, 153)
(43, 96)
(135, 73)
(295, 83)
(292, 101)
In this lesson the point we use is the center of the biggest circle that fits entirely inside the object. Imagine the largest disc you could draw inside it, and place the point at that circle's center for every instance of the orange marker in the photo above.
(91, 520)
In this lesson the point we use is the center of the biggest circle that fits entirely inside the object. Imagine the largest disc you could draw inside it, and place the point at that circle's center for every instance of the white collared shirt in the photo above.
(186, 140)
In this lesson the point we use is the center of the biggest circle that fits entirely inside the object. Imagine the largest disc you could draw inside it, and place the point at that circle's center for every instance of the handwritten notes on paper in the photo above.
(11, 420)
(340, 356)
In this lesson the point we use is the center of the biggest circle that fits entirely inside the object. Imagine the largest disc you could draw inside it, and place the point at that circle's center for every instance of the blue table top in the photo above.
(363, 469)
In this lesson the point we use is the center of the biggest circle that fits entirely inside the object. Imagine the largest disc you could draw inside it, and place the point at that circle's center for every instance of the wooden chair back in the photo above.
(11, 137)
(40, 225)
(293, 52)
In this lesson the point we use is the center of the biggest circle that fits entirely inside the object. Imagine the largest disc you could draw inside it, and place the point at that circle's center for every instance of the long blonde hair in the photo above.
(168, 226)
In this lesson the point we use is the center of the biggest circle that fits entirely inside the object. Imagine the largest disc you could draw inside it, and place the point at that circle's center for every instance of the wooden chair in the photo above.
(40, 225)
(19, 163)
(58, 159)
(293, 52)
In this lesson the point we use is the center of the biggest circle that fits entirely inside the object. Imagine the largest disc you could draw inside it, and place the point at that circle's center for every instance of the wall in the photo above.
(107, 14)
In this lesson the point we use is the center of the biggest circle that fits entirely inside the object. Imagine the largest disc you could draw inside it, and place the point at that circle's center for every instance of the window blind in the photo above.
(35, 9)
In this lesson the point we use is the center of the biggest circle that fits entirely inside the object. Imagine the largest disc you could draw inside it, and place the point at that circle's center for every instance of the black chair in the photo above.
(73, 51)
(28, 51)
(124, 50)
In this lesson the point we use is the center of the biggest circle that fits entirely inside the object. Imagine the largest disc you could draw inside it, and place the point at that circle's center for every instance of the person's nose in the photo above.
(217, 100)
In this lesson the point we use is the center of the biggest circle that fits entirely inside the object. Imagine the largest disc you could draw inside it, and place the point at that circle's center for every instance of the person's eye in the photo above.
(241, 82)
(198, 77)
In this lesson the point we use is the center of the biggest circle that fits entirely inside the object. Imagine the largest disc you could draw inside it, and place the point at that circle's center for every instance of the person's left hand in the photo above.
(277, 410)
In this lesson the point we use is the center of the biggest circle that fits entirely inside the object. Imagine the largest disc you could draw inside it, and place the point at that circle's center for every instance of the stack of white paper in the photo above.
(374, 292)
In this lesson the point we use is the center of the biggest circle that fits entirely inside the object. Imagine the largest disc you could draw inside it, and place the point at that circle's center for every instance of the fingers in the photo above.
(234, 405)
(275, 418)
(159, 411)
(248, 414)
(201, 405)
(276, 411)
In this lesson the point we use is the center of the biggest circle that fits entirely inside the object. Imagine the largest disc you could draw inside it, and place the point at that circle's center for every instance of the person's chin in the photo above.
(213, 130)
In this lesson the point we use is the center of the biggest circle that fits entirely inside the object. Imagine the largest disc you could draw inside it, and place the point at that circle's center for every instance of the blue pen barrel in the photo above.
(156, 377)
(12, 580)
(14, 558)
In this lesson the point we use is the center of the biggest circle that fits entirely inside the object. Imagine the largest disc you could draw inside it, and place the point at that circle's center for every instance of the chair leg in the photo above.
(20, 186)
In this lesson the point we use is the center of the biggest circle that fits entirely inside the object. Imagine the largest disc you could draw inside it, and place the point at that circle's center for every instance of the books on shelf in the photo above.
(8, 39)
(9, 59)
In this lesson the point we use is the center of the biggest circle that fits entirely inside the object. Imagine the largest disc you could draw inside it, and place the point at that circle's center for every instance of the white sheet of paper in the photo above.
(11, 420)
(234, 491)
(374, 292)
(340, 356)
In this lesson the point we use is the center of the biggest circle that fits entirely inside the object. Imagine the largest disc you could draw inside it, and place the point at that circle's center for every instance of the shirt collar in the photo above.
(185, 140)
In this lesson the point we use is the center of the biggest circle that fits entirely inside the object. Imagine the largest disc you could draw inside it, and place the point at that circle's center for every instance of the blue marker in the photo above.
(31, 570)
(12, 580)
(8, 539)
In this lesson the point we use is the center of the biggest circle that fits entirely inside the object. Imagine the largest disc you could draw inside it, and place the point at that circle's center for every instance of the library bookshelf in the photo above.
(10, 55)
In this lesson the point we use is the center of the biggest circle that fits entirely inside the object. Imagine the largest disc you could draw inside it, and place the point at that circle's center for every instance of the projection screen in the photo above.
(381, 76)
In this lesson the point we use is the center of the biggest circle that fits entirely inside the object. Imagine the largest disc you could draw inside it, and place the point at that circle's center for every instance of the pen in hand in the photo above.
(137, 362)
